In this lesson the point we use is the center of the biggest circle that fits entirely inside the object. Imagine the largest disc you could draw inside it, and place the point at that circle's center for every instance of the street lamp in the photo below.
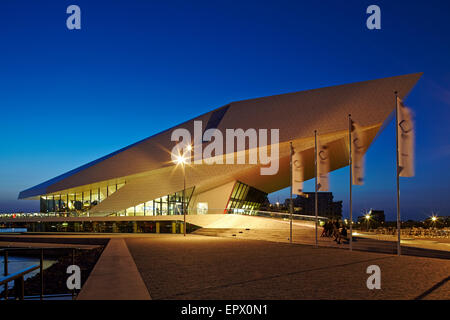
(433, 220)
(367, 218)
(182, 160)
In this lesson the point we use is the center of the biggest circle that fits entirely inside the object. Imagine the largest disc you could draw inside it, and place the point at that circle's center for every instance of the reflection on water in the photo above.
(13, 229)
(15, 264)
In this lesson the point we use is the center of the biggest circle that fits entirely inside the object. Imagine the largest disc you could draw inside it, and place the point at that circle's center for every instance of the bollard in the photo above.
(174, 227)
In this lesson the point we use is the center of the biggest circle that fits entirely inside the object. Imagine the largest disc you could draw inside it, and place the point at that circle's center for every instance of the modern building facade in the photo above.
(142, 180)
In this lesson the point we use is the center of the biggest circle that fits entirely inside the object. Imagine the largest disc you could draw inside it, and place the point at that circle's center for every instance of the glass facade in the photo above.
(78, 201)
(244, 197)
(171, 204)
(82, 202)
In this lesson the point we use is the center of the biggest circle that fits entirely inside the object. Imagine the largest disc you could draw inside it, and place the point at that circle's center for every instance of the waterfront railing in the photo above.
(19, 277)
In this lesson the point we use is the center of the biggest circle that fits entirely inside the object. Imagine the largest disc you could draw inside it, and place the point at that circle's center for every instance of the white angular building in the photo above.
(142, 180)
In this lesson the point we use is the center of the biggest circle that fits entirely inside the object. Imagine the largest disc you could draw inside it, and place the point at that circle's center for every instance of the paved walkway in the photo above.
(442, 244)
(199, 267)
(115, 276)
(306, 235)
(170, 266)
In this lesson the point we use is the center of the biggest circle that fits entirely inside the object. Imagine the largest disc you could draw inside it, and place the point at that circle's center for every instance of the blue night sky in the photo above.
(138, 67)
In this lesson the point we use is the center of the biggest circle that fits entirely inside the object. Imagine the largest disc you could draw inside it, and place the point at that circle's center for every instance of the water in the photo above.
(13, 229)
(16, 264)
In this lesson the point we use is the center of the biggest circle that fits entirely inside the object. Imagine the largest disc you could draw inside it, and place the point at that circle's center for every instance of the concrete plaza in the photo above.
(255, 261)
(200, 267)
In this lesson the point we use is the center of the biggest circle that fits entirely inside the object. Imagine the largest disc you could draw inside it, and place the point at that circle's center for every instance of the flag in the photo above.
(297, 172)
(405, 134)
(323, 167)
(358, 146)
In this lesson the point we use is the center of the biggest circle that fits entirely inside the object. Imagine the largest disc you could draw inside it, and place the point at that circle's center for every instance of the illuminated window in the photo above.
(244, 197)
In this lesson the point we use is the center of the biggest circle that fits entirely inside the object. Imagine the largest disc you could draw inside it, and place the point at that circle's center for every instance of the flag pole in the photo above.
(291, 207)
(315, 194)
(351, 178)
(398, 179)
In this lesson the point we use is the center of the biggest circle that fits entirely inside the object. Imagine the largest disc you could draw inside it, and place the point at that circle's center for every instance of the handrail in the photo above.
(38, 248)
(18, 279)
(294, 214)
(18, 274)
(271, 214)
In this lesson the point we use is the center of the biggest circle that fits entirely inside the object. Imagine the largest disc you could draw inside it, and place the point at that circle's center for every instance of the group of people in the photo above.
(332, 228)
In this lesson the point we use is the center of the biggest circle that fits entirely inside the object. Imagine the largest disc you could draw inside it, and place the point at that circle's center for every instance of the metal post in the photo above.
(19, 288)
(5, 261)
(315, 194)
(291, 208)
(22, 288)
(351, 178)
(398, 180)
(41, 272)
(184, 191)
(5, 266)
(73, 263)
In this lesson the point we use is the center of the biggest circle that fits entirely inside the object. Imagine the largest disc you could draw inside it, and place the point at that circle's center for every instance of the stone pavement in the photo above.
(302, 235)
(199, 267)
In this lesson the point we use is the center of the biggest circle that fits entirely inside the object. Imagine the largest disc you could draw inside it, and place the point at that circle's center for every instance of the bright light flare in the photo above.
(367, 216)
(180, 160)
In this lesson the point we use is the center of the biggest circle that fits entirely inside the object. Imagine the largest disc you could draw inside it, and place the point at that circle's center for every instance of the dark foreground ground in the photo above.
(199, 267)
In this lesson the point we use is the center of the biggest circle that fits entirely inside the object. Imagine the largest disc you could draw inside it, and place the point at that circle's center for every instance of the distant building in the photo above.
(326, 206)
(377, 215)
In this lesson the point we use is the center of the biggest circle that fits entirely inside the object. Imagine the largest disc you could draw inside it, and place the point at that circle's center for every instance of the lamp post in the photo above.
(367, 218)
(182, 160)
(433, 220)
